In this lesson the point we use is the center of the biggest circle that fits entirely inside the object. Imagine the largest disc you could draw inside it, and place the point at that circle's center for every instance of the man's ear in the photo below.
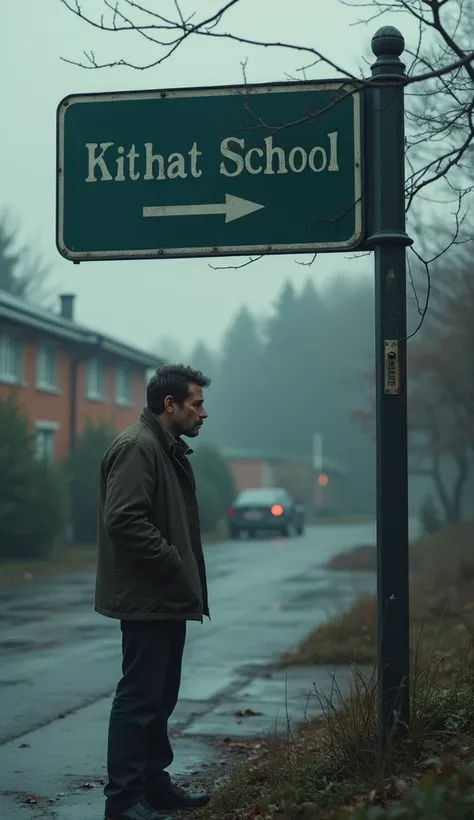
(169, 404)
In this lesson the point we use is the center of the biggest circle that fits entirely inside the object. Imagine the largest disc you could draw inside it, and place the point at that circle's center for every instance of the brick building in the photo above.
(64, 373)
(318, 484)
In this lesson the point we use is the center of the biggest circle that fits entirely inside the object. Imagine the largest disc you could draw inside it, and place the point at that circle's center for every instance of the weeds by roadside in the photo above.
(349, 638)
(441, 603)
(331, 767)
(439, 548)
(359, 559)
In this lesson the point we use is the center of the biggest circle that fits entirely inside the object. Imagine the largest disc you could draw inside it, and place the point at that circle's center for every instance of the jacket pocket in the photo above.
(178, 595)
(139, 590)
(169, 577)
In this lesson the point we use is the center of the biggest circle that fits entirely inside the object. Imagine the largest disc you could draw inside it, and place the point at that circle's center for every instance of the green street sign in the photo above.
(210, 171)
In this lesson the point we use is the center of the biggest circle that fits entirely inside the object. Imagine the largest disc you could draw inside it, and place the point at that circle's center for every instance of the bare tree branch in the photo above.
(439, 93)
(249, 261)
(441, 71)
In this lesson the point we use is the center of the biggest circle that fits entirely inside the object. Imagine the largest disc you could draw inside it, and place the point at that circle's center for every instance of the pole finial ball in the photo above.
(388, 41)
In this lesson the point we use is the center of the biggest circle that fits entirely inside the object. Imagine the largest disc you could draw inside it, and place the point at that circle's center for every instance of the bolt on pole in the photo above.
(388, 238)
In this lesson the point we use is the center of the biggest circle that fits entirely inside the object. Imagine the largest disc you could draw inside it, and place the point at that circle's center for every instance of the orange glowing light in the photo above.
(323, 480)
(277, 509)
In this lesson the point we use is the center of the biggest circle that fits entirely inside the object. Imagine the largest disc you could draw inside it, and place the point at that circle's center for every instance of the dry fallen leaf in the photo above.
(247, 713)
(396, 787)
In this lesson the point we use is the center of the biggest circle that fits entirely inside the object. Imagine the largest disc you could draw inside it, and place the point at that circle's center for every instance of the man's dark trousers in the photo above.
(139, 750)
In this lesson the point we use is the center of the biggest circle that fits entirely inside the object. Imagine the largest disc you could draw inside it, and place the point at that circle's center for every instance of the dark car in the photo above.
(268, 508)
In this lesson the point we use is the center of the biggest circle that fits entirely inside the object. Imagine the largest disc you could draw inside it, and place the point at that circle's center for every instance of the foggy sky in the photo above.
(144, 300)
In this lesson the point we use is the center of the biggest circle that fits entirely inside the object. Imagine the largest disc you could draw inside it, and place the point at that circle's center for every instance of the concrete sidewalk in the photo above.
(57, 772)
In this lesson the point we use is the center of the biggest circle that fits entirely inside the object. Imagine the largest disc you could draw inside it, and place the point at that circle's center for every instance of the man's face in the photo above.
(188, 418)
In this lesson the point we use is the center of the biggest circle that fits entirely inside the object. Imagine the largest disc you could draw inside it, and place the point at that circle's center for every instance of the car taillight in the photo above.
(277, 509)
(231, 512)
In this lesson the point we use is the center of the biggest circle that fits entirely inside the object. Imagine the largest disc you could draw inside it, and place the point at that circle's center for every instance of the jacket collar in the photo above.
(169, 442)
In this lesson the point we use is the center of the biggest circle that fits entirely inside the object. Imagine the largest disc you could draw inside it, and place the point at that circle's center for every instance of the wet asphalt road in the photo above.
(60, 661)
(58, 655)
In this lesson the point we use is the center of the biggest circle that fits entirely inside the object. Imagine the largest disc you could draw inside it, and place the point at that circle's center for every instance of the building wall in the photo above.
(248, 474)
(295, 477)
(107, 410)
(41, 405)
(52, 408)
(298, 478)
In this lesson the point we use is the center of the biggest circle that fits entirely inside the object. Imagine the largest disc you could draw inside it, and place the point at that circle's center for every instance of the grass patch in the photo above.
(339, 520)
(67, 558)
(349, 638)
(61, 559)
(359, 559)
(441, 601)
(331, 768)
(423, 551)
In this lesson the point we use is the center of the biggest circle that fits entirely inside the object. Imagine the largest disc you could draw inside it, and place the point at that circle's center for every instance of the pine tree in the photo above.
(9, 261)
(350, 306)
(169, 349)
(215, 485)
(312, 338)
(22, 273)
(282, 324)
(83, 467)
(32, 499)
(237, 388)
(280, 376)
(203, 359)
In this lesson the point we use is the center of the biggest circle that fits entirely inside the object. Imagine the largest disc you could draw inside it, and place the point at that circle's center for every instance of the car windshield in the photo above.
(261, 496)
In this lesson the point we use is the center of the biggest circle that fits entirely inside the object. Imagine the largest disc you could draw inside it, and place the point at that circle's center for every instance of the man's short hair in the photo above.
(172, 380)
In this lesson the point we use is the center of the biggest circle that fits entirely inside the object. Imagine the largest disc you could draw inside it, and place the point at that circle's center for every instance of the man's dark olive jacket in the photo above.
(150, 557)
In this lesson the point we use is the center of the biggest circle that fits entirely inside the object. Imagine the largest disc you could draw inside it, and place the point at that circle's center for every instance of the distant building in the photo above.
(65, 373)
(320, 485)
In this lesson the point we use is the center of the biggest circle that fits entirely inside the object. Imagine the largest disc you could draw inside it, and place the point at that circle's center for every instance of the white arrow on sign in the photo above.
(233, 208)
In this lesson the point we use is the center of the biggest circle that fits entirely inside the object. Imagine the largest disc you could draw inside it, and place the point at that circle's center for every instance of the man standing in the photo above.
(151, 576)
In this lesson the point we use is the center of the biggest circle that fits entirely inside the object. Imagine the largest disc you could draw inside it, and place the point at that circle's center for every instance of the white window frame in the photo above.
(47, 358)
(10, 351)
(45, 431)
(95, 380)
(123, 386)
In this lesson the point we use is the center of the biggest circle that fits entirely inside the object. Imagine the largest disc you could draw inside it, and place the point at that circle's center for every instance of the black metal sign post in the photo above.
(386, 178)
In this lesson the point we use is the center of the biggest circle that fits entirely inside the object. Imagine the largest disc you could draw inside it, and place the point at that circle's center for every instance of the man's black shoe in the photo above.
(174, 797)
(139, 811)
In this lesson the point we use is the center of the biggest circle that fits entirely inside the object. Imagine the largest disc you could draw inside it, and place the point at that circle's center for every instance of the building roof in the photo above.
(326, 463)
(28, 314)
